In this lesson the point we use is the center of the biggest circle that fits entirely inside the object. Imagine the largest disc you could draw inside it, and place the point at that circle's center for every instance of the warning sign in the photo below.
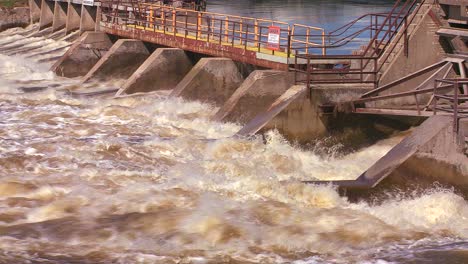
(274, 33)
(88, 2)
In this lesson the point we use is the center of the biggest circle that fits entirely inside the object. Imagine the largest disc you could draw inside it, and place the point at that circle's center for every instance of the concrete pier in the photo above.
(60, 16)
(255, 95)
(88, 18)
(47, 14)
(212, 80)
(35, 10)
(73, 17)
(297, 114)
(163, 70)
(121, 61)
(82, 55)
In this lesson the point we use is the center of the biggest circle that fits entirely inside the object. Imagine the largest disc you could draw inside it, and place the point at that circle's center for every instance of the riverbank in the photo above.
(14, 13)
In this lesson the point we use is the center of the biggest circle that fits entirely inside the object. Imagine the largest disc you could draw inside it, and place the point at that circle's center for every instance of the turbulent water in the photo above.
(147, 179)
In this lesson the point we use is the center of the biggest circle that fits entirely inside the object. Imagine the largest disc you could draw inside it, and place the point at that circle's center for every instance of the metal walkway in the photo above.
(242, 39)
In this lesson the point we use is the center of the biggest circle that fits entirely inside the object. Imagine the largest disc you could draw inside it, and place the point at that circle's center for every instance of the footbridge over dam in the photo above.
(379, 73)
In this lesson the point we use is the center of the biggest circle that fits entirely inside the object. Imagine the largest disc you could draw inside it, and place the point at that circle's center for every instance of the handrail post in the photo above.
(186, 23)
(309, 90)
(233, 32)
(246, 37)
(226, 30)
(256, 31)
(406, 48)
(163, 13)
(289, 46)
(174, 21)
(324, 49)
(220, 31)
(295, 67)
(455, 108)
(199, 26)
(434, 110)
(260, 42)
(241, 28)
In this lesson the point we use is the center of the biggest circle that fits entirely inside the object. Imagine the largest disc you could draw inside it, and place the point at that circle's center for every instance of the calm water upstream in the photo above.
(151, 180)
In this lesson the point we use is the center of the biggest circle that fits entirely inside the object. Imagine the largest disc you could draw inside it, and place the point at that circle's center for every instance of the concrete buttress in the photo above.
(73, 17)
(82, 55)
(163, 70)
(121, 61)
(60, 16)
(47, 14)
(212, 80)
(255, 95)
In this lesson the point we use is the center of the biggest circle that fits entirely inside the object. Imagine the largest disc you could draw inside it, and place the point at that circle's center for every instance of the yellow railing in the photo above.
(250, 33)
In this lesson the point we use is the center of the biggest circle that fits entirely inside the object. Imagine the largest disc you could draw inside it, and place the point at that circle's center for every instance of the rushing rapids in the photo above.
(146, 179)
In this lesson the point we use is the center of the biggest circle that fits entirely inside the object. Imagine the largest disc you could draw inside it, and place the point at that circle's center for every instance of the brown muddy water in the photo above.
(147, 179)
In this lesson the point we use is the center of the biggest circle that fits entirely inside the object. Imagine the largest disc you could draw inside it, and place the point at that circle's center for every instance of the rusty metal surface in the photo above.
(385, 29)
(197, 46)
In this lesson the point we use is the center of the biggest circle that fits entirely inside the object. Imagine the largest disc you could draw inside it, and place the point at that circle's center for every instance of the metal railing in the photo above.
(198, 5)
(381, 33)
(455, 99)
(228, 30)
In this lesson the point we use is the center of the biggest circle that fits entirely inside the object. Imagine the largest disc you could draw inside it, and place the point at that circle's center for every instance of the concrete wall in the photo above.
(60, 16)
(88, 18)
(120, 62)
(212, 80)
(255, 95)
(73, 17)
(424, 50)
(441, 159)
(302, 119)
(82, 55)
(34, 10)
(47, 14)
(163, 70)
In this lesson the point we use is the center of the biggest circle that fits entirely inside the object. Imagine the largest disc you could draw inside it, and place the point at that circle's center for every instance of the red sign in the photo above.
(274, 33)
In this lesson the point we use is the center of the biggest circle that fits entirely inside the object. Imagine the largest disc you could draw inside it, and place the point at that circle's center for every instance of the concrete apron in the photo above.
(163, 70)
(212, 80)
(121, 61)
(82, 55)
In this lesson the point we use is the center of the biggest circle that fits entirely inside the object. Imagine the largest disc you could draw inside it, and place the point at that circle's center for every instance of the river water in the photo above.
(147, 179)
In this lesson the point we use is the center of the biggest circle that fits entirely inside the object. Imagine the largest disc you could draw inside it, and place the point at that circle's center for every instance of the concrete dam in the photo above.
(172, 132)
(306, 86)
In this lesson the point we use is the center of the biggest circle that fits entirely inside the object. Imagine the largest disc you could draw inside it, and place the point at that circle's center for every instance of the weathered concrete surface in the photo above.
(47, 14)
(88, 18)
(16, 17)
(301, 119)
(279, 105)
(432, 153)
(163, 70)
(34, 10)
(121, 61)
(60, 16)
(424, 50)
(212, 80)
(255, 95)
(83, 55)
(73, 17)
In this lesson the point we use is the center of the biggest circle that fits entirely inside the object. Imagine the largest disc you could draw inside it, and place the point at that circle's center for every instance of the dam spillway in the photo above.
(156, 178)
